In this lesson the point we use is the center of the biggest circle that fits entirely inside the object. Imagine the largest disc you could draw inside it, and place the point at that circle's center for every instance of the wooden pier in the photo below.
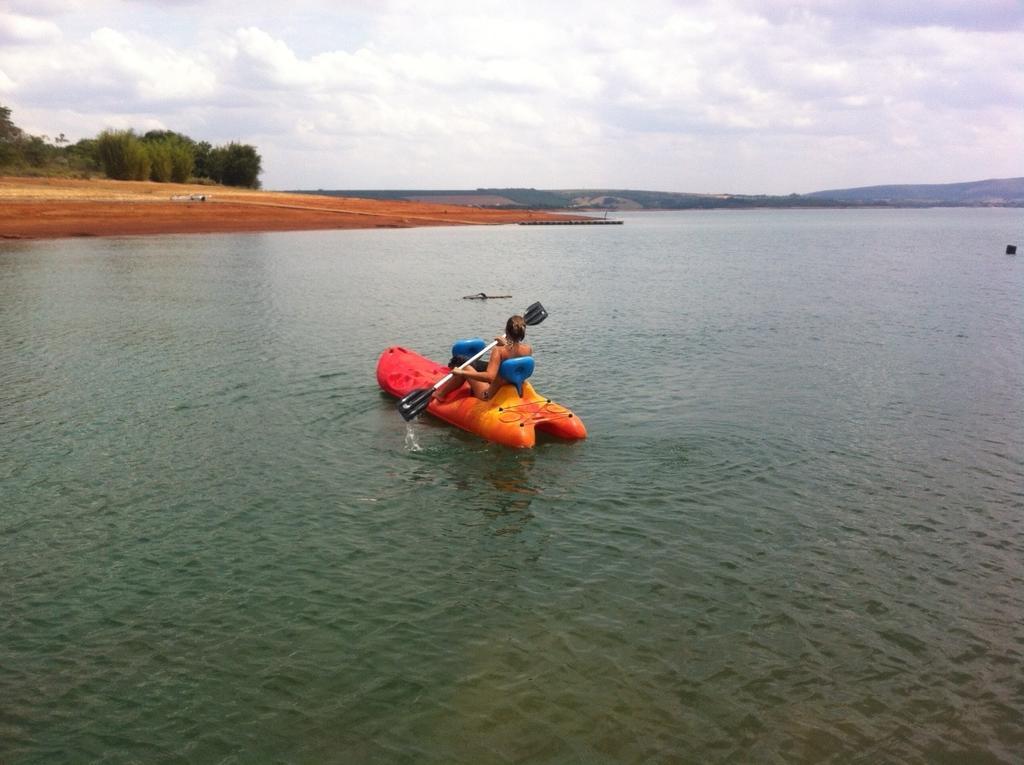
(591, 222)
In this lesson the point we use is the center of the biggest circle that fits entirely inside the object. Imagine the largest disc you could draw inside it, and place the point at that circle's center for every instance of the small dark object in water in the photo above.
(1011, 249)
(484, 296)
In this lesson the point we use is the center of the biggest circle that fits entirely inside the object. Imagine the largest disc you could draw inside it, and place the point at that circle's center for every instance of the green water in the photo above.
(795, 534)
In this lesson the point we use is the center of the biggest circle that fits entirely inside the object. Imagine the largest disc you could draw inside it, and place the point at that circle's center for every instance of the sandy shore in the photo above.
(39, 208)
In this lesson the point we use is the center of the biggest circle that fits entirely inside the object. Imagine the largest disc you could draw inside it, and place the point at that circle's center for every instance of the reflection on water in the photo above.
(513, 491)
(510, 473)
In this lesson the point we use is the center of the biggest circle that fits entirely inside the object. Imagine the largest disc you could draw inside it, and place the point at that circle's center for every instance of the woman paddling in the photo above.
(485, 384)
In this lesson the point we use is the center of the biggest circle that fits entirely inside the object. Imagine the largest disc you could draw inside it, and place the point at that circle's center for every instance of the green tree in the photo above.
(8, 130)
(201, 158)
(163, 135)
(123, 156)
(163, 155)
(160, 163)
(182, 161)
(10, 135)
(35, 151)
(236, 164)
(172, 154)
(84, 155)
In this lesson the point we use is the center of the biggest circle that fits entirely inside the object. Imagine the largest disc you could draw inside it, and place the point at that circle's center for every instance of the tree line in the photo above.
(157, 155)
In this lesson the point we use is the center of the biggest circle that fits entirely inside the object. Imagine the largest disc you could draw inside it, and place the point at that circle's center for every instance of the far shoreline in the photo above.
(54, 208)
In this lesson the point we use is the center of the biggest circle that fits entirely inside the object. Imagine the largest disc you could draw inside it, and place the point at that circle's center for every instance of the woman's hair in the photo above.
(515, 328)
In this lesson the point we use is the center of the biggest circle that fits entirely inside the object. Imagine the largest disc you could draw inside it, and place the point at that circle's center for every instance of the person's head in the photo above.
(515, 328)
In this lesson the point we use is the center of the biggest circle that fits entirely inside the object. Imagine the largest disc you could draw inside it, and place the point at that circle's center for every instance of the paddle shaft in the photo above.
(464, 364)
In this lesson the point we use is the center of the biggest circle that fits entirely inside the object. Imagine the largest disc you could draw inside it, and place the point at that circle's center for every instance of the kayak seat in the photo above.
(516, 371)
(467, 349)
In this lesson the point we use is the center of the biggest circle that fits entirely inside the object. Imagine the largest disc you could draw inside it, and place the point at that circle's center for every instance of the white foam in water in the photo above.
(411, 444)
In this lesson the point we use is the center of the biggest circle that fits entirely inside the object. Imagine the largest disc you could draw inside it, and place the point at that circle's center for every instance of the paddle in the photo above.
(416, 402)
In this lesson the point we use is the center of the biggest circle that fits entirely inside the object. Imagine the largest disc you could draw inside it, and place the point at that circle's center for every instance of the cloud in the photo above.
(152, 72)
(747, 95)
(26, 30)
(261, 60)
(851, 15)
(110, 70)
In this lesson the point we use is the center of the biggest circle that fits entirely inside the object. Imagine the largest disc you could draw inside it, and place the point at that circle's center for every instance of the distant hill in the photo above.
(1008, 192)
(996, 191)
(567, 199)
(510, 198)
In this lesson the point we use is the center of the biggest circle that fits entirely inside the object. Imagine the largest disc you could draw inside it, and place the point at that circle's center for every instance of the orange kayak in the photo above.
(508, 418)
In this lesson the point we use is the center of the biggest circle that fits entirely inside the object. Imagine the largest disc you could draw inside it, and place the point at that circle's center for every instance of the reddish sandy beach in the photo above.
(40, 208)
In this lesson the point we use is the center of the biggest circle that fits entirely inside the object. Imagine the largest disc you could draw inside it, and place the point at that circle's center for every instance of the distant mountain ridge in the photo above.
(995, 192)
(991, 191)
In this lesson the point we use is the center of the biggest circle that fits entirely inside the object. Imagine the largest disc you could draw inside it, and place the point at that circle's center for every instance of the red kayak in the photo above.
(508, 418)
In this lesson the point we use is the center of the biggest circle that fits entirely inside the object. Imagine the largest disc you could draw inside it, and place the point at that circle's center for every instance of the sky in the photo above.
(707, 96)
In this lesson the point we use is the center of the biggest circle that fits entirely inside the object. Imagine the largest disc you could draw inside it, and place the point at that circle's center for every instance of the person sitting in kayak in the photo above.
(485, 384)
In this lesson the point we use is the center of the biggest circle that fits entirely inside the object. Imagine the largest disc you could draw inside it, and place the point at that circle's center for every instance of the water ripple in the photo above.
(794, 535)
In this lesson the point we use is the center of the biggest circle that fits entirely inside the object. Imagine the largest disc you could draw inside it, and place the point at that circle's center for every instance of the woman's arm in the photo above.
(491, 374)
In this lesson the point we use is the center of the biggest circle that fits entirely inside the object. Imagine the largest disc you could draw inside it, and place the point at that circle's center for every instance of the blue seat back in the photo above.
(468, 348)
(516, 371)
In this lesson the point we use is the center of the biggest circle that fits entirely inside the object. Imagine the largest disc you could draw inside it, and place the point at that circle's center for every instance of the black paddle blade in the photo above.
(535, 314)
(415, 403)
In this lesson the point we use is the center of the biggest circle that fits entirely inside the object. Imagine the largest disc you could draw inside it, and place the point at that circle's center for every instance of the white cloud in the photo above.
(262, 60)
(741, 95)
(26, 30)
(153, 72)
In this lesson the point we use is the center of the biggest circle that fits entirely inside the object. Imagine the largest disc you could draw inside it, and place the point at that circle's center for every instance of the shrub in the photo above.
(160, 164)
(122, 155)
(182, 161)
(84, 155)
(173, 155)
(237, 164)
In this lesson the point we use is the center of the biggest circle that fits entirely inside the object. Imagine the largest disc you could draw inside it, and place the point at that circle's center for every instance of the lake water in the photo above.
(795, 534)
